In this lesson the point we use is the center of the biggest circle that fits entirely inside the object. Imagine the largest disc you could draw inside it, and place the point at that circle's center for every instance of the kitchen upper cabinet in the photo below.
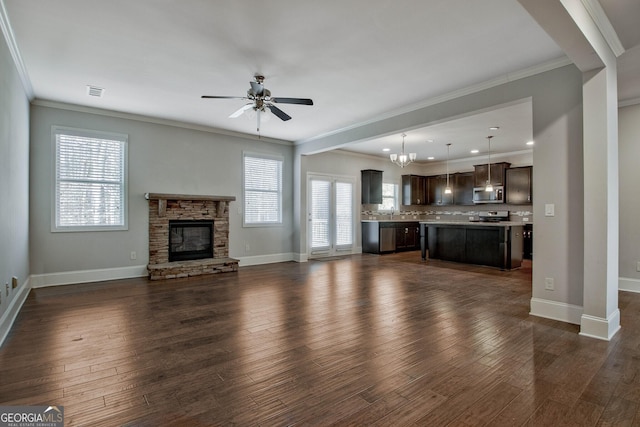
(414, 190)
(371, 187)
(436, 186)
(518, 186)
(497, 174)
(463, 188)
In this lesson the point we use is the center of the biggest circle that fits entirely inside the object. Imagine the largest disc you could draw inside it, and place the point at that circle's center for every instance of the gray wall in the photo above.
(629, 154)
(14, 184)
(162, 159)
(557, 157)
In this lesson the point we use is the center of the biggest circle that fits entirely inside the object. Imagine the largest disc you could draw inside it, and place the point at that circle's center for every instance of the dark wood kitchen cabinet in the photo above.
(497, 174)
(371, 187)
(518, 186)
(463, 188)
(407, 236)
(436, 186)
(414, 190)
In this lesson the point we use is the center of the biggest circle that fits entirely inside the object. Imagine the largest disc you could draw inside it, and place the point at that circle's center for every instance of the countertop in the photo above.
(476, 223)
(441, 222)
(393, 220)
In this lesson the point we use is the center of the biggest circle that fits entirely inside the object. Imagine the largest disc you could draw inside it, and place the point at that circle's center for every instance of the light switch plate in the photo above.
(549, 209)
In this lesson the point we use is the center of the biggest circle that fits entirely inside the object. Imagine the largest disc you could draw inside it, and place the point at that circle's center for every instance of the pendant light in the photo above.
(402, 159)
(447, 189)
(489, 187)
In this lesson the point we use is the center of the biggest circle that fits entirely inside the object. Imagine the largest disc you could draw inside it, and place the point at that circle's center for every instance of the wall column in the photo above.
(601, 316)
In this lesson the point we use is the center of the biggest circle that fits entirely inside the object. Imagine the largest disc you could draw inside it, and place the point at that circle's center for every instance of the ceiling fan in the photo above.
(261, 100)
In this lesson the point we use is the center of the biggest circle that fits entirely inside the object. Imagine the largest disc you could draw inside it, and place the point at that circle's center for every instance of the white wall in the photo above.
(629, 154)
(14, 188)
(162, 159)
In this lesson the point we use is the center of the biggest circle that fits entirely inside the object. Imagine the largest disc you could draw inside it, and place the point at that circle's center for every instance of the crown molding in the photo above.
(629, 102)
(505, 78)
(7, 31)
(154, 120)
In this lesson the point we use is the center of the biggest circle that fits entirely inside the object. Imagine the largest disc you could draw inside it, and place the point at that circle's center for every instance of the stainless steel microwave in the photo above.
(480, 195)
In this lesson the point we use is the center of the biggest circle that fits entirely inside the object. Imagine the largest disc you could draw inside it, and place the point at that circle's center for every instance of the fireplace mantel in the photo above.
(161, 196)
(162, 200)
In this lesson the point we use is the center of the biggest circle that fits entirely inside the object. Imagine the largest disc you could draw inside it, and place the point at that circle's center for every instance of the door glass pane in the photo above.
(320, 197)
(344, 213)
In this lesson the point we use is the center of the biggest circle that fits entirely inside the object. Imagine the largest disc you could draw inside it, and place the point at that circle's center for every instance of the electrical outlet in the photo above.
(437, 217)
(548, 284)
(638, 266)
(247, 247)
(14, 282)
(134, 255)
(7, 287)
(525, 219)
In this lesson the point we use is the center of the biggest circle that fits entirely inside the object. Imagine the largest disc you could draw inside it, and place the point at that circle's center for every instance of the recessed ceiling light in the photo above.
(494, 128)
(386, 149)
(429, 140)
(475, 151)
(430, 158)
(530, 143)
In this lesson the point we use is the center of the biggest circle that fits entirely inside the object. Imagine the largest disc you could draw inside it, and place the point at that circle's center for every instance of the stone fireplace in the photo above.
(188, 235)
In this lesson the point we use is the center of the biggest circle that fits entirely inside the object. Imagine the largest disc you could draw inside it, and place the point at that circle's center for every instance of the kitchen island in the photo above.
(494, 244)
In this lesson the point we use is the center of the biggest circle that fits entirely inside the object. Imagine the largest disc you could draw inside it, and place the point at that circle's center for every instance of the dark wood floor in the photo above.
(368, 340)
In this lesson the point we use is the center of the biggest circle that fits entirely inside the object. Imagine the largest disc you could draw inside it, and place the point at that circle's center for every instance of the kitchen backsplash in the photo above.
(517, 213)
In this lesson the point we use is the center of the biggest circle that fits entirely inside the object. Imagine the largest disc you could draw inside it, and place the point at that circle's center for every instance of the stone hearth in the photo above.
(166, 207)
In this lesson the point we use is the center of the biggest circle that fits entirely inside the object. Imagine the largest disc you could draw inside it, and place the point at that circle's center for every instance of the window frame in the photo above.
(262, 156)
(89, 133)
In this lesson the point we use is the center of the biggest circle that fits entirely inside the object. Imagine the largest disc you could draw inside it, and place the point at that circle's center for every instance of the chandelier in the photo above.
(402, 159)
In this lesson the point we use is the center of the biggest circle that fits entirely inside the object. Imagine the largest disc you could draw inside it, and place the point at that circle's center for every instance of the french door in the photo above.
(330, 211)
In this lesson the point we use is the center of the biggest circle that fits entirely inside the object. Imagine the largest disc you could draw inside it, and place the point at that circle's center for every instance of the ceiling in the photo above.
(359, 61)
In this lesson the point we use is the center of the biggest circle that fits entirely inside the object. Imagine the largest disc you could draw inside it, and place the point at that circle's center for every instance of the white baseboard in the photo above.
(86, 276)
(301, 257)
(629, 285)
(600, 328)
(11, 313)
(264, 259)
(564, 312)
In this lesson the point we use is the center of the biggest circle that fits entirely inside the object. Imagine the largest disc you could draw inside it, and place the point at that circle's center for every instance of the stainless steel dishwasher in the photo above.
(387, 239)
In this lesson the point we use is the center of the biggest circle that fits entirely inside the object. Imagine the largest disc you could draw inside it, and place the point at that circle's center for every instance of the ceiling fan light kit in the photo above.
(261, 102)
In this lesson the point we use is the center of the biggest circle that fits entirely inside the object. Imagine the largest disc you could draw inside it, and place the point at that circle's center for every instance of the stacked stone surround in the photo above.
(166, 207)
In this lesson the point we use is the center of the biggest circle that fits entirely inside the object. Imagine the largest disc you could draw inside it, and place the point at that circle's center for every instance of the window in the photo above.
(389, 197)
(90, 180)
(262, 190)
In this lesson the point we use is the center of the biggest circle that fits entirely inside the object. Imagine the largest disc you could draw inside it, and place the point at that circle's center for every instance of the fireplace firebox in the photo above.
(190, 240)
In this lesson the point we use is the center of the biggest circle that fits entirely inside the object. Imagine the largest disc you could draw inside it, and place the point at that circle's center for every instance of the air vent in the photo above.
(95, 91)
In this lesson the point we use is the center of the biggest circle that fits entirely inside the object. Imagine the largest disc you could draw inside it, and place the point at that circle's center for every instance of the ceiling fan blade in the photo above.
(222, 97)
(257, 88)
(241, 110)
(301, 101)
(278, 112)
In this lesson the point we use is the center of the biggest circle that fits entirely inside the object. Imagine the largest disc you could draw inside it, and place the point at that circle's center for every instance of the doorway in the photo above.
(330, 211)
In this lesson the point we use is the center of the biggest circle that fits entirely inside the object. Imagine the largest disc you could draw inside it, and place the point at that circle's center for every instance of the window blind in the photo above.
(344, 213)
(90, 190)
(262, 190)
(320, 211)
